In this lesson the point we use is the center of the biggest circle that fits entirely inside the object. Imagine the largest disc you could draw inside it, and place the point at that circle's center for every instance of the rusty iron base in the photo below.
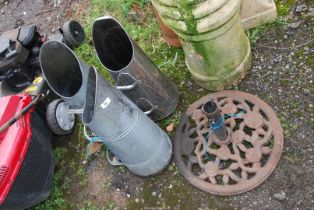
(245, 160)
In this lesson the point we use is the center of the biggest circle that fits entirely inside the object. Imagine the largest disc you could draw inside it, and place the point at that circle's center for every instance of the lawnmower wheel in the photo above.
(59, 120)
(73, 33)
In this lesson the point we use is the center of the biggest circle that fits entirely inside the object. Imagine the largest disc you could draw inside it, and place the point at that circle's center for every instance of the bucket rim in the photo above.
(92, 70)
(77, 60)
(108, 17)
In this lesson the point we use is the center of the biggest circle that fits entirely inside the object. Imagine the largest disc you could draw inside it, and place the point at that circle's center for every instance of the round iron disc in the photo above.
(244, 160)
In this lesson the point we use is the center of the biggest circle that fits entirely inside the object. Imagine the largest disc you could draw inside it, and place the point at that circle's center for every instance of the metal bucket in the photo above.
(136, 140)
(65, 74)
(134, 73)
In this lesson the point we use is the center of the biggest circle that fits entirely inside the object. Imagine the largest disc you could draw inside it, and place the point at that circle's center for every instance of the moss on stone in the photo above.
(284, 6)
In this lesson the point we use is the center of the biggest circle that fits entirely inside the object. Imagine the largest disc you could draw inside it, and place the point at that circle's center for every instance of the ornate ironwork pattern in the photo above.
(244, 160)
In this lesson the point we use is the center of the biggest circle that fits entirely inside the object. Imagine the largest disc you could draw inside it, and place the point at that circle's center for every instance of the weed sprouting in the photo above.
(254, 34)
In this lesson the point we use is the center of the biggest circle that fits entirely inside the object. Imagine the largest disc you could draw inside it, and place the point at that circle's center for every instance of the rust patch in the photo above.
(244, 161)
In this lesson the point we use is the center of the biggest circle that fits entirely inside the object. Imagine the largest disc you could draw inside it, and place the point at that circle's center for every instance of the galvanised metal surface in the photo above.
(134, 138)
(129, 134)
(65, 119)
(135, 74)
(65, 74)
(244, 160)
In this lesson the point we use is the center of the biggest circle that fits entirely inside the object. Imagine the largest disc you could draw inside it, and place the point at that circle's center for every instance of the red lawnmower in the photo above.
(29, 116)
(26, 160)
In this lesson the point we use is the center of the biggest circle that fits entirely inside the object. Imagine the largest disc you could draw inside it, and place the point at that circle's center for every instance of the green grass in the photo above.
(143, 30)
(285, 126)
(139, 21)
(284, 6)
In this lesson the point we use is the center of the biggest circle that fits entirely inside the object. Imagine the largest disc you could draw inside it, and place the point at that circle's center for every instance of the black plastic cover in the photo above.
(27, 35)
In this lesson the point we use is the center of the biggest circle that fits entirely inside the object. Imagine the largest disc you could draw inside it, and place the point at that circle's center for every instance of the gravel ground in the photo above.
(283, 75)
(48, 15)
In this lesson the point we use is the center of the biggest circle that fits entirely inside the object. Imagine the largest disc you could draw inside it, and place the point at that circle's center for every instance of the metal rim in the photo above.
(108, 18)
(259, 124)
(44, 61)
(65, 119)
